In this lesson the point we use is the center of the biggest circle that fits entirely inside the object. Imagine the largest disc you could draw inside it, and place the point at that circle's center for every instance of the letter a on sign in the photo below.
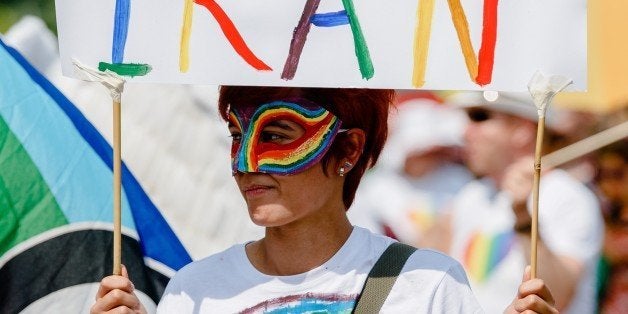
(309, 17)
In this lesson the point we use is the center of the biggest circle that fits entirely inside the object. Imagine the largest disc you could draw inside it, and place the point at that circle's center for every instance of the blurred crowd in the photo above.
(456, 176)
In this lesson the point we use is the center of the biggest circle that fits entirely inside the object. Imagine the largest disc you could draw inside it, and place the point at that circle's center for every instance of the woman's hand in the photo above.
(116, 295)
(533, 297)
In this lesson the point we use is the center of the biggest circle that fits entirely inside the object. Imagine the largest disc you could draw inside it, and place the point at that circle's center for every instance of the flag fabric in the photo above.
(56, 199)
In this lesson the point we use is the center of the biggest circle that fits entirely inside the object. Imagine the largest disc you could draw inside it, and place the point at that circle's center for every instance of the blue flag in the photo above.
(56, 200)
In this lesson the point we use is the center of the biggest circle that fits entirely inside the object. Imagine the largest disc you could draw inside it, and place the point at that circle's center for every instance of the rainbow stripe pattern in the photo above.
(252, 154)
(485, 251)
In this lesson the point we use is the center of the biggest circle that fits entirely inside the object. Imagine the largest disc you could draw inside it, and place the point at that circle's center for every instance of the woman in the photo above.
(298, 155)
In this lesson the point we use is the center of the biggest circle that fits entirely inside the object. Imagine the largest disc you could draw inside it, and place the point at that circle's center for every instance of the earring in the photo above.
(344, 168)
(341, 171)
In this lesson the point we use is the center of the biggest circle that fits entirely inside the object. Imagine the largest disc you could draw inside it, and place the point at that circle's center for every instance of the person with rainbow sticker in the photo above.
(298, 155)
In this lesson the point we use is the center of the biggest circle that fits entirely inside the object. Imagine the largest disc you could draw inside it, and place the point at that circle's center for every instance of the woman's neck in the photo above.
(299, 247)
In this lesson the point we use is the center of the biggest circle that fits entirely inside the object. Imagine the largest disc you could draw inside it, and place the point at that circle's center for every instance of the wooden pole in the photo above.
(117, 176)
(535, 196)
(542, 89)
(586, 145)
(115, 85)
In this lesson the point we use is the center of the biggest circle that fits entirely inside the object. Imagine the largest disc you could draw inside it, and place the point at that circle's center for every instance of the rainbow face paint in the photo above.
(255, 152)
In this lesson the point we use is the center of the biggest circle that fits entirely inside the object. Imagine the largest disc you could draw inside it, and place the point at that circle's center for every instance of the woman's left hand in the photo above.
(533, 297)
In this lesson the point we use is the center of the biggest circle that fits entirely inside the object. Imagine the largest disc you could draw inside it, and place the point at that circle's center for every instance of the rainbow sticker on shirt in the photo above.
(305, 303)
(484, 252)
(252, 154)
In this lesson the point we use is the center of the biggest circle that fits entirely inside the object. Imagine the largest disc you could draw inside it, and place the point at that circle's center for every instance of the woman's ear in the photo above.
(355, 142)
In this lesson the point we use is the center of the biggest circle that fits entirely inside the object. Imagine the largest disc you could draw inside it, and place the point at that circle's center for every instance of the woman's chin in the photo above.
(267, 216)
(268, 223)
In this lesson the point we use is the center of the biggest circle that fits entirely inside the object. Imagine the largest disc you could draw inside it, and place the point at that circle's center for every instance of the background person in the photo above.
(490, 223)
(419, 172)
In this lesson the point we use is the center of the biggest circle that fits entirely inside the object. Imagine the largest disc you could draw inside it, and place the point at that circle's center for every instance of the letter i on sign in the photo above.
(120, 31)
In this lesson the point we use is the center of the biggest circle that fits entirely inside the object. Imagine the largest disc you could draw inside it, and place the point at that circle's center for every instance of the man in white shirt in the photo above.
(489, 226)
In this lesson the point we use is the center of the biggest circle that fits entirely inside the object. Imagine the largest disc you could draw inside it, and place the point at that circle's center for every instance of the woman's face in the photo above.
(292, 185)
(276, 200)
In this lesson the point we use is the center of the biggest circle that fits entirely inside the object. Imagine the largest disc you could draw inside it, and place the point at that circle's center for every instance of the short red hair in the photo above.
(365, 109)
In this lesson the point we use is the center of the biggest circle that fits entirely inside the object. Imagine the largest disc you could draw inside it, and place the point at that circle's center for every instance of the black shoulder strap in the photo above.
(382, 278)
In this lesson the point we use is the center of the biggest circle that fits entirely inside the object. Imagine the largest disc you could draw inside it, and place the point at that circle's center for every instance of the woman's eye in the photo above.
(272, 137)
(236, 137)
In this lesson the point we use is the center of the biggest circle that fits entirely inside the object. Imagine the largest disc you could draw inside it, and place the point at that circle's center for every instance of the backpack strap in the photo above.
(382, 277)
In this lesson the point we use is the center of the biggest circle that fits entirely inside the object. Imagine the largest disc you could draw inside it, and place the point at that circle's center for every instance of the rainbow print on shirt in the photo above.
(306, 303)
(485, 251)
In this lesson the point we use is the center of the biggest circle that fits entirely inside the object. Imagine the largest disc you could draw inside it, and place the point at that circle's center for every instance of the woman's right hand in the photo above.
(116, 295)
(533, 296)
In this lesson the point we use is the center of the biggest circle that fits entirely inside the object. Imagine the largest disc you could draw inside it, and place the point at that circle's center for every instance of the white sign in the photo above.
(404, 44)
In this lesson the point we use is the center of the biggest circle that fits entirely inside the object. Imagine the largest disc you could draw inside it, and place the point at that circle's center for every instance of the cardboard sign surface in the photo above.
(405, 44)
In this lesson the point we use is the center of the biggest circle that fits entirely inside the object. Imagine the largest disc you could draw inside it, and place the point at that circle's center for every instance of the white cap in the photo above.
(420, 124)
(515, 104)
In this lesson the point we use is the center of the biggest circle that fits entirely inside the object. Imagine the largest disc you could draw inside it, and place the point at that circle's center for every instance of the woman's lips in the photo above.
(256, 190)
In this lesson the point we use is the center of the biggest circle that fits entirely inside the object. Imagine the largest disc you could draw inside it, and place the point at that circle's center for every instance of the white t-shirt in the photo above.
(227, 282)
(570, 224)
(411, 205)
